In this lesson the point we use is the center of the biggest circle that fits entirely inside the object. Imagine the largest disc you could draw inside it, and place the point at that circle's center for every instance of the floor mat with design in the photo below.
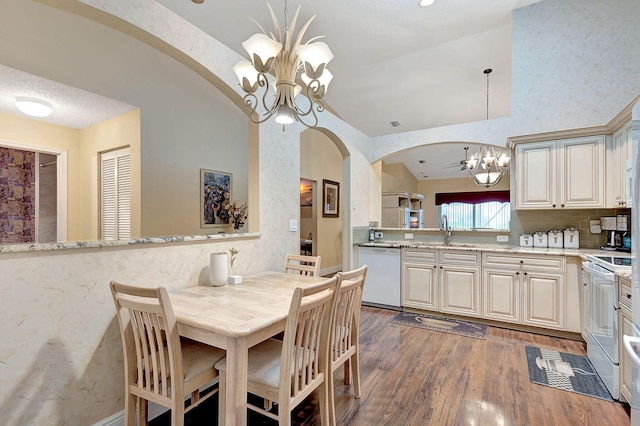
(573, 373)
(445, 325)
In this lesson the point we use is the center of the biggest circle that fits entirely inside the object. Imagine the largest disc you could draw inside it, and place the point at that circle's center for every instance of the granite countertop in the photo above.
(31, 247)
(581, 252)
(624, 274)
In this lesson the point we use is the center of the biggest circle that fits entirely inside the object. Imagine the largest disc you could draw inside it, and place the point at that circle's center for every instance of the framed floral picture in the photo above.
(330, 198)
(215, 196)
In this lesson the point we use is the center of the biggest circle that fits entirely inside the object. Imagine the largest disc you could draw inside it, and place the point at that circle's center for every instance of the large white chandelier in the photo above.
(488, 166)
(297, 67)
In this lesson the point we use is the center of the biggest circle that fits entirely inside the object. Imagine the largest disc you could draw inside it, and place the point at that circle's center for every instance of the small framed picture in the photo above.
(215, 195)
(330, 198)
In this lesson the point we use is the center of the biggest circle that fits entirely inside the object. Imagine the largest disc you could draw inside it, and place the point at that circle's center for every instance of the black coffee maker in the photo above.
(615, 241)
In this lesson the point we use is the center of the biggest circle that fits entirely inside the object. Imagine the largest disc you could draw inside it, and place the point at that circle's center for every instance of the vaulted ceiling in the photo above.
(394, 61)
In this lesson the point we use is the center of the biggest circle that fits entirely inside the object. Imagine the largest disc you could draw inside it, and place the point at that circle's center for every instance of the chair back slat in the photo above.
(148, 315)
(303, 265)
(346, 316)
(305, 343)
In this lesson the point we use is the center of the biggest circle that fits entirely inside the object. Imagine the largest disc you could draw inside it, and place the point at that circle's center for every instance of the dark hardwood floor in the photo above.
(412, 376)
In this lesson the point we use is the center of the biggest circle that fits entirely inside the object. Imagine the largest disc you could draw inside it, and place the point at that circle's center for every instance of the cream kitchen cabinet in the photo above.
(567, 173)
(619, 150)
(420, 274)
(460, 287)
(502, 293)
(441, 280)
(584, 281)
(528, 290)
(625, 327)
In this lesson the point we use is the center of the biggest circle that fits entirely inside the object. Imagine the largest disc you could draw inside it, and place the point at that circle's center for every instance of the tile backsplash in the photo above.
(522, 222)
(530, 221)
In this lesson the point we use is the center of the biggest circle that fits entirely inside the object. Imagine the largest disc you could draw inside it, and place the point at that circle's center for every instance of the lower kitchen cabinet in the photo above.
(528, 290)
(460, 290)
(625, 326)
(583, 304)
(419, 286)
(501, 289)
(543, 301)
(525, 289)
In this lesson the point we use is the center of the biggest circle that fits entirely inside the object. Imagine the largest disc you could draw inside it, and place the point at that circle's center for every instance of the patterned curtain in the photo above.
(17, 196)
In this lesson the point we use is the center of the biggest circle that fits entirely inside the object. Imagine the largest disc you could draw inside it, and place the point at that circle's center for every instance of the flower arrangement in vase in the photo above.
(237, 214)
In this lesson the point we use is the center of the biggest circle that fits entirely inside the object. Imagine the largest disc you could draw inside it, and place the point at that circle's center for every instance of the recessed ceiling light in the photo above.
(425, 3)
(34, 107)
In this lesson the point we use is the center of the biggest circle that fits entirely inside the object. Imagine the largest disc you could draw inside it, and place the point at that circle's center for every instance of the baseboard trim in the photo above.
(155, 410)
(117, 419)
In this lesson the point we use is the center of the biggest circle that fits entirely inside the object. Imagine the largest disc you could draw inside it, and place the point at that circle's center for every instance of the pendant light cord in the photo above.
(487, 72)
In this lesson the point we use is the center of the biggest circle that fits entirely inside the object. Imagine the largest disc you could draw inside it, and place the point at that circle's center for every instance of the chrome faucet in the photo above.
(447, 230)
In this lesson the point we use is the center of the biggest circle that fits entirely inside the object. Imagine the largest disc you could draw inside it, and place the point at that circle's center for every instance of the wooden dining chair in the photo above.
(159, 366)
(345, 331)
(286, 372)
(303, 265)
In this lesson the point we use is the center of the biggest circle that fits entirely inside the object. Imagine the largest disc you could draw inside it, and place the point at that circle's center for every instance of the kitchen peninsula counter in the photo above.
(580, 252)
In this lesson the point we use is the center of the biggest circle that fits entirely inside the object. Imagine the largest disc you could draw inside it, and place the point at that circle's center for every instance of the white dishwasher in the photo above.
(382, 287)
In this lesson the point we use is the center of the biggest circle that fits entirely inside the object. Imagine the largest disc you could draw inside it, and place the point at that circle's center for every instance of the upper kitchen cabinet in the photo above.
(567, 173)
(619, 150)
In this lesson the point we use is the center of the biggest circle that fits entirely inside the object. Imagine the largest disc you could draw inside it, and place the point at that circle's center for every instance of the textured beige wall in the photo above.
(118, 132)
(397, 178)
(320, 159)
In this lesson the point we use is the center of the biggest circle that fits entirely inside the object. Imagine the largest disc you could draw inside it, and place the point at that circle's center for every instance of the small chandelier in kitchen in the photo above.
(489, 164)
(297, 67)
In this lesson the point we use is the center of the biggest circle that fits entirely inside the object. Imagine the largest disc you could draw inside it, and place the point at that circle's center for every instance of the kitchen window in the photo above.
(475, 210)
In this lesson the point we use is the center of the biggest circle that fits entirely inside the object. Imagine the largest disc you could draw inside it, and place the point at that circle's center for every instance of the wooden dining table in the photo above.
(235, 318)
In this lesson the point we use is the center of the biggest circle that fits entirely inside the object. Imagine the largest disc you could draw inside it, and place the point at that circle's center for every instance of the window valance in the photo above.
(476, 197)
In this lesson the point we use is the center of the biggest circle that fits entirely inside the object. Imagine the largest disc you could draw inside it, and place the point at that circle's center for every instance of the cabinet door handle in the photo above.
(561, 205)
(526, 273)
(517, 273)
(553, 205)
(628, 295)
(434, 266)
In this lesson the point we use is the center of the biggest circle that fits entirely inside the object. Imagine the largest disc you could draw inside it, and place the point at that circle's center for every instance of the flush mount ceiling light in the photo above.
(297, 67)
(489, 164)
(33, 107)
(425, 3)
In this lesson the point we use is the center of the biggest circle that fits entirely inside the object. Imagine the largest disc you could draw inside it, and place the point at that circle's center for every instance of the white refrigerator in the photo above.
(632, 343)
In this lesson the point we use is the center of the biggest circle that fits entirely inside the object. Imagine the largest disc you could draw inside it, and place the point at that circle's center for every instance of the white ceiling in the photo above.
(393, 61)
(72, 107)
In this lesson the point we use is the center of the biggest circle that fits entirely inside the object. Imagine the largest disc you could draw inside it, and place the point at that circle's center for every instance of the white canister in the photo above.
(540, 239)
(526, 240)
(218, 269)
(555, 239)
(571, 238)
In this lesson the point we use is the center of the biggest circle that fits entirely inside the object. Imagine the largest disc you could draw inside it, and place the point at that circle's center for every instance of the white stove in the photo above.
(602, 317)
(613, 263)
